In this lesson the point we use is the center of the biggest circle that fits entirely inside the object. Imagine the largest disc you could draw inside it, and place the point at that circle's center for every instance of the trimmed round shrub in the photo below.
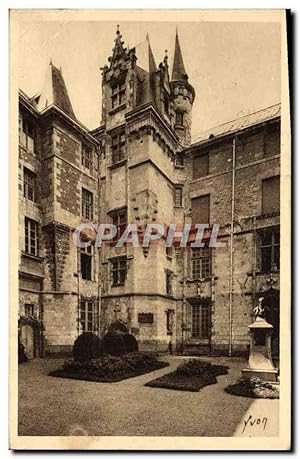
(130, 343)
(113, 343)
(87, 346)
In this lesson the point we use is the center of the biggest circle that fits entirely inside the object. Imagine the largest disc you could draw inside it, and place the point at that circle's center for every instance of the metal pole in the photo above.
(231, 247)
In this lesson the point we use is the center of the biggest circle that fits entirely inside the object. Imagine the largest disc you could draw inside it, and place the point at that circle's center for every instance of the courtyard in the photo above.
(51, 406)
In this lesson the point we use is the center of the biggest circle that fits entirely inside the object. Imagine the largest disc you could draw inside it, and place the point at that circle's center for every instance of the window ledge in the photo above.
(204, 279)
(178, 207)
(32, 257)
(273, 214)
(179, 166)
(179, 127)
(267, 273)
(27, 150)
(118, 164)
(118, 285)
(117, 109)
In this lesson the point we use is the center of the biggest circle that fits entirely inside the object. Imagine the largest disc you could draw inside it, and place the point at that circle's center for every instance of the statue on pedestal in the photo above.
(260, 362)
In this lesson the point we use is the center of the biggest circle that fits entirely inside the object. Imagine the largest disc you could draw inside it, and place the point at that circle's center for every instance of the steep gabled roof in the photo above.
(54, 92)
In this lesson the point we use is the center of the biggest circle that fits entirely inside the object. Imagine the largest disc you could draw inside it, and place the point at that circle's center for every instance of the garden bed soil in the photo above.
(190, 383)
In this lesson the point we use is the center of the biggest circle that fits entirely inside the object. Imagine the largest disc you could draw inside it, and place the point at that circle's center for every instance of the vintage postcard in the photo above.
(150, 230)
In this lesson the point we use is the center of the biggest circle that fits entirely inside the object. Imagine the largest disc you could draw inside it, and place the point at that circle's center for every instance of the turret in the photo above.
(183, 95)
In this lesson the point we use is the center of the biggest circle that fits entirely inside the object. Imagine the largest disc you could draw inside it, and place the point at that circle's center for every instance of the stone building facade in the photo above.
(139, 166)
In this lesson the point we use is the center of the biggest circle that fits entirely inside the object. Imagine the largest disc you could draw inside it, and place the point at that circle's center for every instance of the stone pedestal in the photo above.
(260, 362)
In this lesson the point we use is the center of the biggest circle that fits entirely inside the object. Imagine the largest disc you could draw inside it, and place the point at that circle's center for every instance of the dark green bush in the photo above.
(87, 346)
(113, 343)
(109, 368)
(193, 367)
(131, 344)
(253, 388)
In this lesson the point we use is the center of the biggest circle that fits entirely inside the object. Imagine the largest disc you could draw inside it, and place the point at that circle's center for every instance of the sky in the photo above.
(233, 66)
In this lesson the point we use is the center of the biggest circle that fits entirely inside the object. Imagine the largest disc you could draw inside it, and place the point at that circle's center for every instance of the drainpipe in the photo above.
(231, 247)
(78, 291)
(254, 262)
(99, 248)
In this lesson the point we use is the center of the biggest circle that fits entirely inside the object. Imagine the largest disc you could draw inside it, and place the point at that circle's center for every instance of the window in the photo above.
(179, 161)
(201, 209)
(271, 195)
(200, 166)
(119, 270)
(169, 252)
(31, 237)
(169, 282)
(87, 204)
(119, 219)
(86, 157)
(86, 257)
(88, 316)
(179, 118)
(269, 240)
(169, 317)
(26, 134)
(201, 263)
(178, 196)
(29, 184)
(200, 321)
(118, 95)
(118, 147)
(29, 310)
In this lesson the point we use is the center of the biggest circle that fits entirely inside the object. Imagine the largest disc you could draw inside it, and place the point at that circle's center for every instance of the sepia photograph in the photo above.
(150, 230)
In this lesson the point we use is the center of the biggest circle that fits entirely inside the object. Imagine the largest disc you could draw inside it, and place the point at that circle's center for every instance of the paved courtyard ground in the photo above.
(54, 406)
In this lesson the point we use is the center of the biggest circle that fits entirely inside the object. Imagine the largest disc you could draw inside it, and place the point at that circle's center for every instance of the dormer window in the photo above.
(86, 157)
(179, 118)
(26, 134)
(118, 96)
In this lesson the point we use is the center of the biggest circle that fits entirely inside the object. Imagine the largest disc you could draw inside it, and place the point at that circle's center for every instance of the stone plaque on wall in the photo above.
(145, 318)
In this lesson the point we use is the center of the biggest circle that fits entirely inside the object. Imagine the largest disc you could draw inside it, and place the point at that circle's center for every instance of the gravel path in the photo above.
(54, 406)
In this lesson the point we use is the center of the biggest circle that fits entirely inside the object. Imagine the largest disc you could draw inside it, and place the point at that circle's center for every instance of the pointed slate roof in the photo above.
(144, 55)
(118, 50)
(146, 68)
(54, 92)
(178, 73)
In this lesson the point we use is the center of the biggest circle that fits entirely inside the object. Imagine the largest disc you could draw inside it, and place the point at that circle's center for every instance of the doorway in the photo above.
(27, 339)
(199, 320)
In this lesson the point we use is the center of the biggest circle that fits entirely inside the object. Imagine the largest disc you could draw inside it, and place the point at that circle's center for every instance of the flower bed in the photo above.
(110, 368)
(252, 388)
(190, 376)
